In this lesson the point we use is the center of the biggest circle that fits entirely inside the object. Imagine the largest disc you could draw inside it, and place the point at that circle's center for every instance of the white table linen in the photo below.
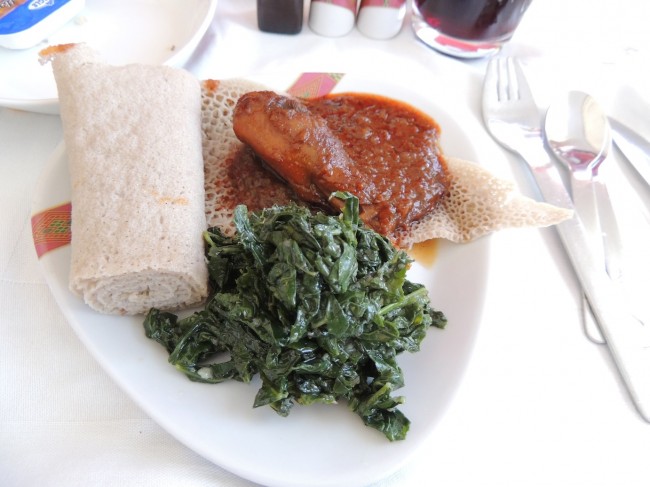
(539, 404)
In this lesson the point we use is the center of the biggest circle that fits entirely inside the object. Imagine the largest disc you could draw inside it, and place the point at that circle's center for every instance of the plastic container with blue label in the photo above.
(25, 23)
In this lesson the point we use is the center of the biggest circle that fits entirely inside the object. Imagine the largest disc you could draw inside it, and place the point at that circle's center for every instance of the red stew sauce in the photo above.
(395, 146)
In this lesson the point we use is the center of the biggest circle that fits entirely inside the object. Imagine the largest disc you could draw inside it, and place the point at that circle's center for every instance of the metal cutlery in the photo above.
(577, 133)
(513, 119)
(636, 149)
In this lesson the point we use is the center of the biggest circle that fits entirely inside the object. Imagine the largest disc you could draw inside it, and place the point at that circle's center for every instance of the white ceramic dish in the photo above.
(162, 32)
(316, 445)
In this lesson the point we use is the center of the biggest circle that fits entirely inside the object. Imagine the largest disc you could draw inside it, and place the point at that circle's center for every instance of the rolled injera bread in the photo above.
(133, 140)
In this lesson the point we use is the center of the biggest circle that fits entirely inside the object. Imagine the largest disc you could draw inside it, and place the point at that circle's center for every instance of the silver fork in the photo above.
(513, 119)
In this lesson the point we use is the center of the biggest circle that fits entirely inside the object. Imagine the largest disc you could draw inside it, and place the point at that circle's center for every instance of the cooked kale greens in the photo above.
(319, 306)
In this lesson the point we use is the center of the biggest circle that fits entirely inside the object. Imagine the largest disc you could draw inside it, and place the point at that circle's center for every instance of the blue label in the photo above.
(27, 15)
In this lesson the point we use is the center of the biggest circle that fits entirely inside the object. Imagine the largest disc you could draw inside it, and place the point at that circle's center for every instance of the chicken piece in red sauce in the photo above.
(383, 151)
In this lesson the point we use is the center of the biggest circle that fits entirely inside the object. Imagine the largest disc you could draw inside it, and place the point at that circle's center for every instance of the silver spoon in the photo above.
(577, 131)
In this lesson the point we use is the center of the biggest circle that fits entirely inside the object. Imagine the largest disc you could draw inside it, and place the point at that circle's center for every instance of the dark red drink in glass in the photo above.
(467, 28)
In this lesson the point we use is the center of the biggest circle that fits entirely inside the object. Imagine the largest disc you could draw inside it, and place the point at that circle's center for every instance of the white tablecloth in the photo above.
(539, 405)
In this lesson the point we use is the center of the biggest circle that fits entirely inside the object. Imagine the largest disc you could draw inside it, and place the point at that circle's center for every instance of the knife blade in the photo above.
(634, 147)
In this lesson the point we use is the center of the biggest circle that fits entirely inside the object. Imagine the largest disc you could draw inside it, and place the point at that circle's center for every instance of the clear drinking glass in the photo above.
(467, 28)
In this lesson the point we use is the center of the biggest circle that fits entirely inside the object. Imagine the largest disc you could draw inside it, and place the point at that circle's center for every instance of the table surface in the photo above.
(539, 403)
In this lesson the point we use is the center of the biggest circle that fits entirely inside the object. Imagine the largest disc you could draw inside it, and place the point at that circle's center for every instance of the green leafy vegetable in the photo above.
(318, 306)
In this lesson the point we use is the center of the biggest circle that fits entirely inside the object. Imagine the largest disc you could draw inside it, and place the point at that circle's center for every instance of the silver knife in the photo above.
(627, 339)
(634, 147)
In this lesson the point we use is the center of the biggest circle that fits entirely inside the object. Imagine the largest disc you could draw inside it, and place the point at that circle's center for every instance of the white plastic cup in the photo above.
(332, 18)
(381, 19)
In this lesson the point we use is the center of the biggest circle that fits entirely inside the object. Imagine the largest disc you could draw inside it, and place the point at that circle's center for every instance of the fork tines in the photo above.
(511, 83)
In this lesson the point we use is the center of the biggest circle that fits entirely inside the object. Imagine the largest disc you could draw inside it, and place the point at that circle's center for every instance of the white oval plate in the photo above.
(142, 31)
(316, 445)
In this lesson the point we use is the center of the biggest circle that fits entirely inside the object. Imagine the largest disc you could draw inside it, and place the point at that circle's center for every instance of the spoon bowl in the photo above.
(577, 131)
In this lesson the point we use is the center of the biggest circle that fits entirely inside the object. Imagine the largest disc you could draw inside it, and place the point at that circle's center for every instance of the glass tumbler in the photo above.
(467, 28)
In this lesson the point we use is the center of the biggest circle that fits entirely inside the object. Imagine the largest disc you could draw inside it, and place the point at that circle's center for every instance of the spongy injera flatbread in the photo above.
(133, 140)
(476, 204)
